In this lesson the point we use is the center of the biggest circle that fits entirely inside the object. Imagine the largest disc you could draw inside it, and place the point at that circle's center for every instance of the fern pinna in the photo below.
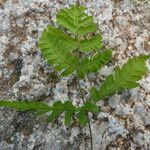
(75, 48)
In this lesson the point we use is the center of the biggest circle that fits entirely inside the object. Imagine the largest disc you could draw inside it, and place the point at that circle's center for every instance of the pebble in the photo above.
(114, 101)
(147, 120)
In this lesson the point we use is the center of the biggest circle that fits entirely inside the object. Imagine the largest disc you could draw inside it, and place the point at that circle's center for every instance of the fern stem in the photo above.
(82, 96)
(90, 129)
(89, 124)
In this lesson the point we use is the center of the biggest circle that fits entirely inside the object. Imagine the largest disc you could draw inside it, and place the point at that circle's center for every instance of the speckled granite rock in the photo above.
(123, 124)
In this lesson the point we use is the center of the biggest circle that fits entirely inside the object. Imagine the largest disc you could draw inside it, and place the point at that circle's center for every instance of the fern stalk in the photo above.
(89, 124)
(82, 96)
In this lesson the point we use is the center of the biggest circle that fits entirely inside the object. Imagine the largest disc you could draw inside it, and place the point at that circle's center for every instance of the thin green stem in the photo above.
(82, 96)
(89, 124)
(90, 129)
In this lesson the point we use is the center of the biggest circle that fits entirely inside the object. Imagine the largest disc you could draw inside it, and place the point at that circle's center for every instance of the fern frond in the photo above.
(56, 51)
(91, 107)
(82, 117)
(124, 78)
(66, 42)
(69, 112)
(26, 106)
(76, 20)
(58, 108)
(89, 65)
(88, 45)
(40, 108)
(57, 47)
(83, 111)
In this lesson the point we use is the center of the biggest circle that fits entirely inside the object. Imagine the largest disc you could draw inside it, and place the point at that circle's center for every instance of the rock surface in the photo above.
(123, 124)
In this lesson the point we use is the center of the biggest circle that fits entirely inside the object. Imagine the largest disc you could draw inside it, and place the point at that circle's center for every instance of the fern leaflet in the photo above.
(53, 35)
(89, 65)
(54, 52)
(88, 45)
(38, 107)
(75, 20)
(124, 78)
(58, 108)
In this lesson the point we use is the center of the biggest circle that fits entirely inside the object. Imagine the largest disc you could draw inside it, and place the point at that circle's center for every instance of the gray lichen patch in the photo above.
(124, 120)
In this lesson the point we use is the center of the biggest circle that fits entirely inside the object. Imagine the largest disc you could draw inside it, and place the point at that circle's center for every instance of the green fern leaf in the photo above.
(70, 110)
(59, 48)
(89, 65)
(58, 108)
(75, 20)
(53, 35)
(82, 117)
(79, 23)
(124, 78)
(88, 45)
(38, 107)
(57, 53)
(89, 106)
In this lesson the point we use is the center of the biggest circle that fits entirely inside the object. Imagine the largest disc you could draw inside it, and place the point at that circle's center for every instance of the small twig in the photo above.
(89, 124)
